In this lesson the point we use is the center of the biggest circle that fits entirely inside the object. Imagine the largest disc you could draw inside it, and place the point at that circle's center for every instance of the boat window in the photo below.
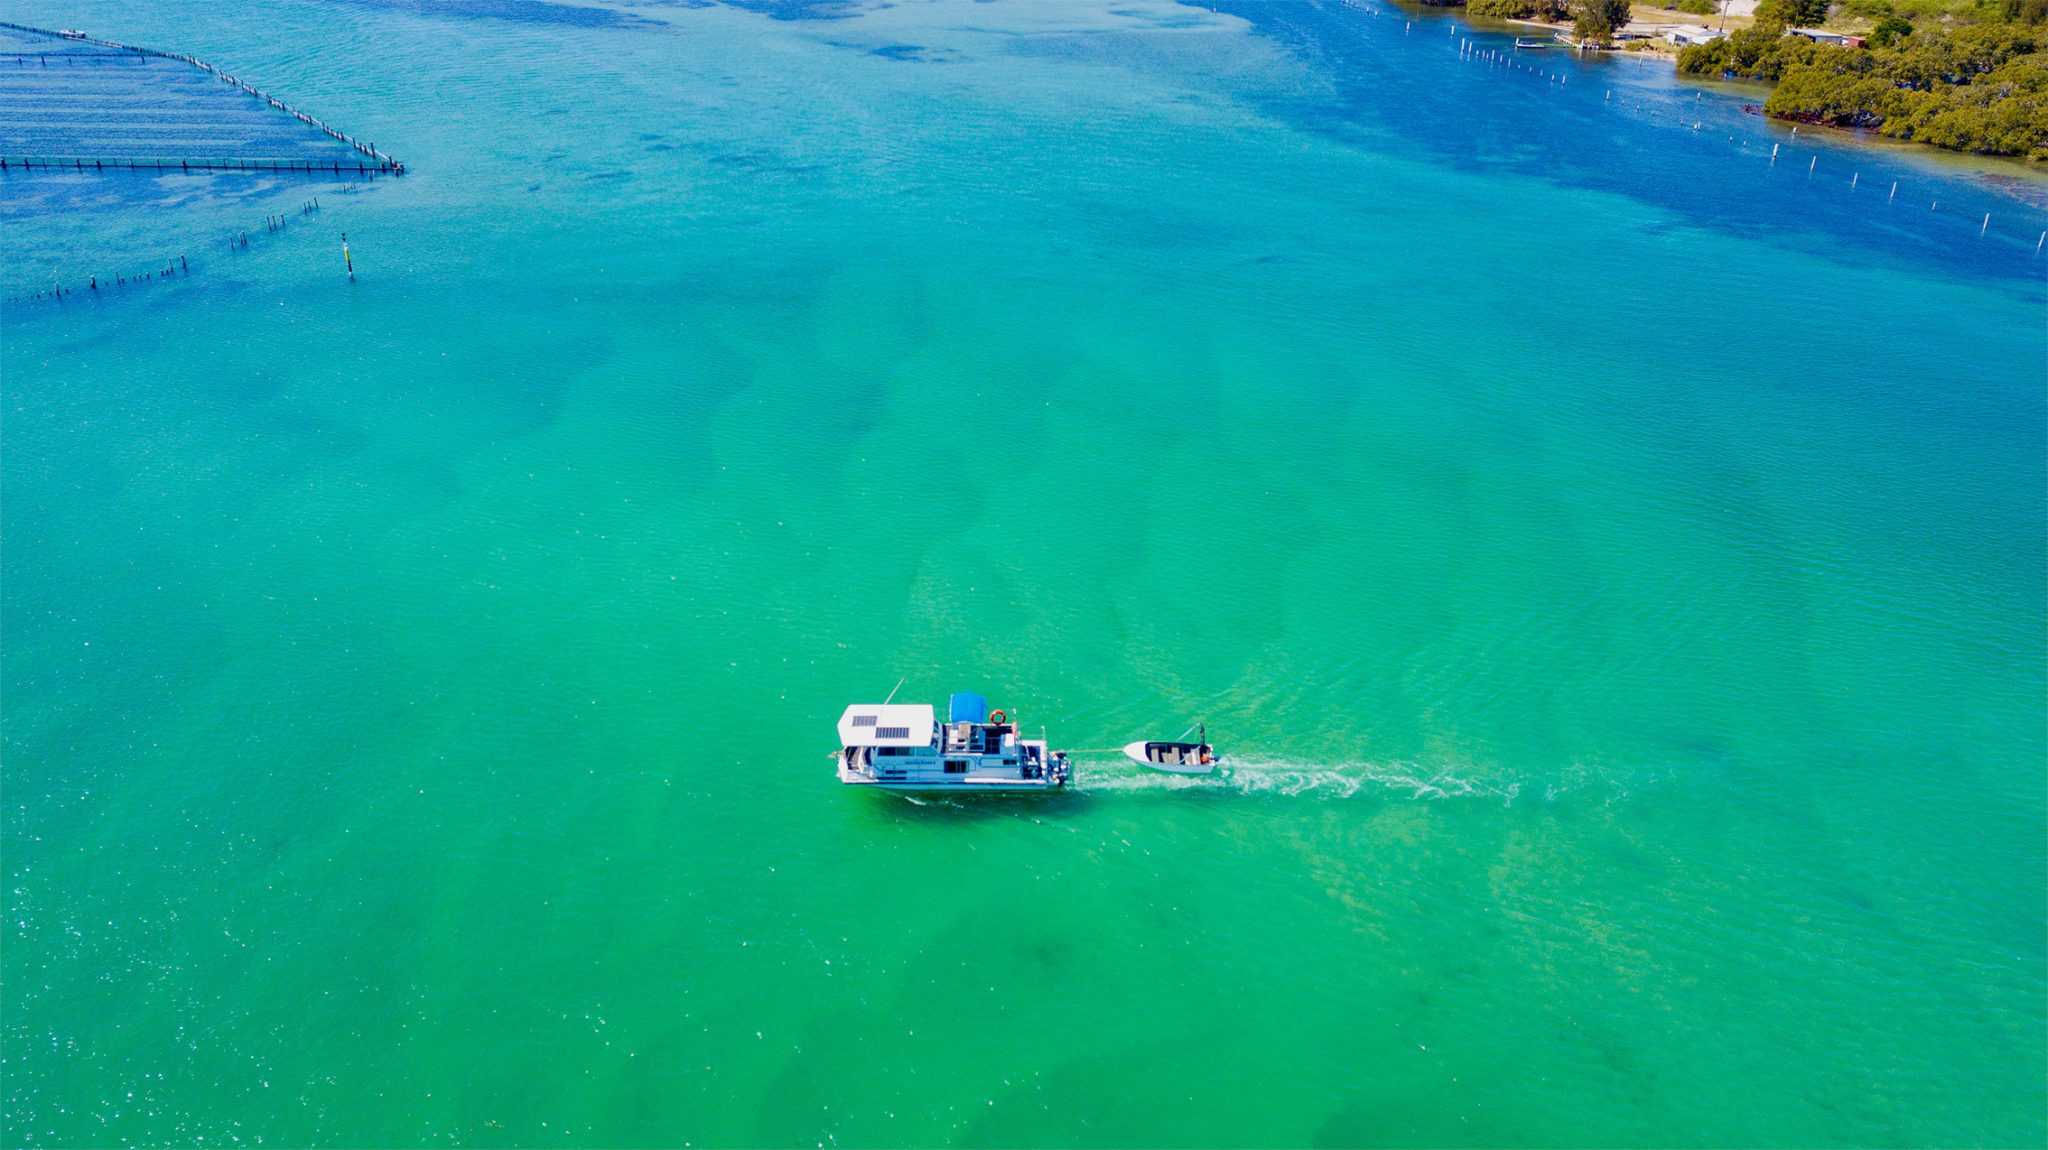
(956, 766)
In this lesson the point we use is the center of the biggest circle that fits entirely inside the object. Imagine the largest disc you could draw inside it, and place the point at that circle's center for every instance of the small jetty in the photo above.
(72, 102)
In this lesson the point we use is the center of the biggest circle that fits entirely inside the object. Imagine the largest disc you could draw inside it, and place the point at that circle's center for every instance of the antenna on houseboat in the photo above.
(894, 689)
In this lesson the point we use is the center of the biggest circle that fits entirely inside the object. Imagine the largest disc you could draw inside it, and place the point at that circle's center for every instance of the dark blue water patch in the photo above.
(799, 9)
(517, 11)
(746, 159)
(912, 52)
(763, 162)
(605, 177)
(1154, 18)
(1399, 82)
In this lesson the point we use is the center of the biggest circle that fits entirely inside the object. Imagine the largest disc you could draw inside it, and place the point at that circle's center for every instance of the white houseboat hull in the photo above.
(967, 785)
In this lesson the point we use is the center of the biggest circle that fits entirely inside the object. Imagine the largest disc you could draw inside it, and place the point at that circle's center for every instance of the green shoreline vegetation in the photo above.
(1969, 87)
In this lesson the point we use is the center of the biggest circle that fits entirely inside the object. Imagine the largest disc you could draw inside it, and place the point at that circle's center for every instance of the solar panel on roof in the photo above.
(864, 720)
(892, 732)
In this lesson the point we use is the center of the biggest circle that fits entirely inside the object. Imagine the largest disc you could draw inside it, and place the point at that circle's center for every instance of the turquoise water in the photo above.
(1614, 563)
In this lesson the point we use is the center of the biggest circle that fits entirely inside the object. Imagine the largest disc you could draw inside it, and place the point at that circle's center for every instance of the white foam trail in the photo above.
(1338, 781)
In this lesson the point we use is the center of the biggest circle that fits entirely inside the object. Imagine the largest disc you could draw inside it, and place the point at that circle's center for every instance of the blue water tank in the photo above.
(967, 707)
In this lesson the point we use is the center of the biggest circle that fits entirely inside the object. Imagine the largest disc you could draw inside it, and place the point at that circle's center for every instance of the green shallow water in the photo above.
(1614, 564)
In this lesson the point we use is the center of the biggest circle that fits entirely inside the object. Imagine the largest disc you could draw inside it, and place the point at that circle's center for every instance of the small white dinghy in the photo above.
(1196, 758)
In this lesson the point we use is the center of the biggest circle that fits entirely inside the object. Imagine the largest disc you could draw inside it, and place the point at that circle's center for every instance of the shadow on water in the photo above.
(895, 808)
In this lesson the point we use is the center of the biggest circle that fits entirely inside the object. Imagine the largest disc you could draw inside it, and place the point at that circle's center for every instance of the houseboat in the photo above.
(903, 747)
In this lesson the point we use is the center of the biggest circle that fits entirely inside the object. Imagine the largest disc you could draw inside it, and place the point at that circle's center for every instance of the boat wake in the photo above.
(1280, 777)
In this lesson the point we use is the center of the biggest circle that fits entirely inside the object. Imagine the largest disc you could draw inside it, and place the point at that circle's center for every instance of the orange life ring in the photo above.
(998, 716)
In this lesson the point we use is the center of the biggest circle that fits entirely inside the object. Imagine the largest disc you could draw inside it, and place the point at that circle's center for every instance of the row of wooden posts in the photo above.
(82, 164)
(58, 292)
(238, 241)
